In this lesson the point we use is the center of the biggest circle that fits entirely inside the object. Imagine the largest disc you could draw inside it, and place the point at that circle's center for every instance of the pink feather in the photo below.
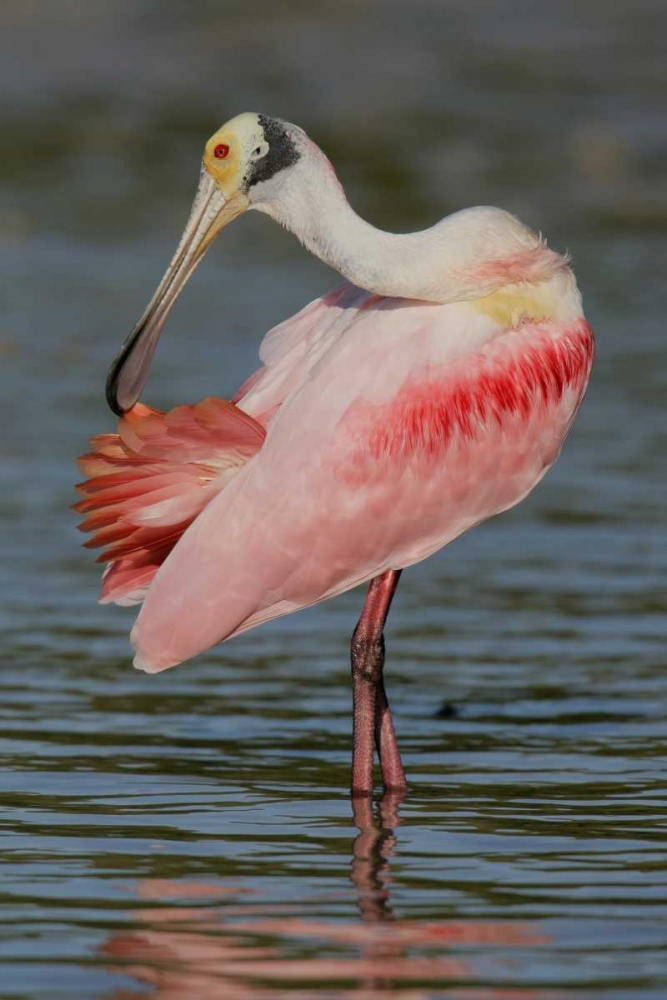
(149, 481)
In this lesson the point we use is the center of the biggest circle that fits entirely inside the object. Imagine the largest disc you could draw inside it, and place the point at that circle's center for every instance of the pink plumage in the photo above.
(429, 392)
(388, 435)
(149, 481)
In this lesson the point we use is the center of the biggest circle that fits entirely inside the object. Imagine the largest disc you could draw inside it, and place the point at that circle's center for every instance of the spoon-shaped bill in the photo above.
(211, 212)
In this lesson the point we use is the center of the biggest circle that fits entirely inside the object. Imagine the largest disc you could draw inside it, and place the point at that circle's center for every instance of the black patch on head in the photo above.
(282, 152)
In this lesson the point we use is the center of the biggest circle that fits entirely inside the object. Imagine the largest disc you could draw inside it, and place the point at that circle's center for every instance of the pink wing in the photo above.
(149, 481)
(290, 350)
(403, 424)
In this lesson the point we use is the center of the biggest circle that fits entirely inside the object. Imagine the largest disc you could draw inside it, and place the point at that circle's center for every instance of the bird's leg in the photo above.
(393, 775)
(373, 723)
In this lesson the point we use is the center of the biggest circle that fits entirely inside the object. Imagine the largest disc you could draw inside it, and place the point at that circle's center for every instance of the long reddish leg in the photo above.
(373, 724)
(393, 775)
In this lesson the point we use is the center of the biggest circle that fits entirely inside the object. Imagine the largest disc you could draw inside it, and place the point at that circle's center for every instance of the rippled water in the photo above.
(190, 835)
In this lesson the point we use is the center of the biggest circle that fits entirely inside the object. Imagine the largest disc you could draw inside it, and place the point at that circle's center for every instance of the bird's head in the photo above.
(246, 164)
(248, 157)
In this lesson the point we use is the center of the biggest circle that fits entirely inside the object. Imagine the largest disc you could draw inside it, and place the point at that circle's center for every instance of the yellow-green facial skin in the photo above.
(242, 135)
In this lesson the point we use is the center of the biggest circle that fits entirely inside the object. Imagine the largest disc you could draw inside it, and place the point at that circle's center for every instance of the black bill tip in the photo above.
(129, 371)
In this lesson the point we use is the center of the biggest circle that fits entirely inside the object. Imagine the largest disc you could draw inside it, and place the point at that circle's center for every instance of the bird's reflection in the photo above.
(372, 849)
(225, 943)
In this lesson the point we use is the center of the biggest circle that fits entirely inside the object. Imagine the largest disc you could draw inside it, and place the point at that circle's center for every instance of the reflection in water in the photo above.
(233, 950)
(372, 850)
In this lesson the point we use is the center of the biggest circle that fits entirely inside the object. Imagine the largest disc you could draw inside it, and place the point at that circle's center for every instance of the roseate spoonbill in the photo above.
(429, 392)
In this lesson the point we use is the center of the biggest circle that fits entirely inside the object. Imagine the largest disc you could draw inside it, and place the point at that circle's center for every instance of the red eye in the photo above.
(221, 151)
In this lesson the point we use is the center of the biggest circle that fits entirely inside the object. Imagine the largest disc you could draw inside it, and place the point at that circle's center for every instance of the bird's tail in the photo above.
(149, 481)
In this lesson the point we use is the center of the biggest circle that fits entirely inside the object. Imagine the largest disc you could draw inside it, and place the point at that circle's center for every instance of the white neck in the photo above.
(467, 255)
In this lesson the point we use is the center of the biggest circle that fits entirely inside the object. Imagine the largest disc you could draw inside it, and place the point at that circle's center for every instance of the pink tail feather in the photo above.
(149, 481)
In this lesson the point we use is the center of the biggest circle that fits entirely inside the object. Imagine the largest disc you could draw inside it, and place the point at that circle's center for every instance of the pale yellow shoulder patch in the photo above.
(513, 304)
